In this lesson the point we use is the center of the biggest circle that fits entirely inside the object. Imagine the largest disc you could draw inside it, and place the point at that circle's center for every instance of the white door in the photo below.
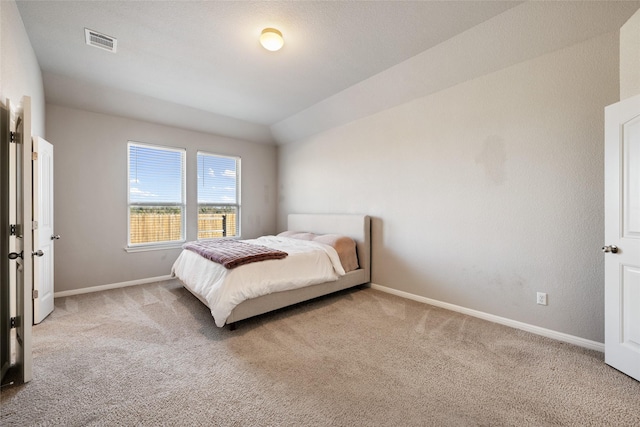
(43, 237)
(21, 243)
(5, 305)
(622, 236)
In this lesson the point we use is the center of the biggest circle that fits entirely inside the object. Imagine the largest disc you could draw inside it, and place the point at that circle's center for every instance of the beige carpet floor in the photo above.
(151, 355)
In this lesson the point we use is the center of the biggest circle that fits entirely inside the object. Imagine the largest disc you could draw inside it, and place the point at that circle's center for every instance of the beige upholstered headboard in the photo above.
(358, 227)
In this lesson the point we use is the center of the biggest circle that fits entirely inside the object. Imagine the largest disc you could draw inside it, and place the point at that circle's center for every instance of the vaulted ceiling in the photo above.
(204, 56)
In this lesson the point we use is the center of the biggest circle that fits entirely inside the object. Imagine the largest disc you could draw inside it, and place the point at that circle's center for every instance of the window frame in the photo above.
(237, 205)
(133, 247)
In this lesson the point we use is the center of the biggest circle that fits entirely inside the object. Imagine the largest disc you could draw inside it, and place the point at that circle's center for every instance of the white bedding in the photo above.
(308, 263)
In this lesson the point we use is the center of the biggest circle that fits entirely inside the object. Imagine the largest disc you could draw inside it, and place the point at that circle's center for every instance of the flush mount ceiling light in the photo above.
(271, 39)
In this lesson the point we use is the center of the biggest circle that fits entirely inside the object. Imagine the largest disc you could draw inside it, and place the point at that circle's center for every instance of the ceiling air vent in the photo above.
(103, 41)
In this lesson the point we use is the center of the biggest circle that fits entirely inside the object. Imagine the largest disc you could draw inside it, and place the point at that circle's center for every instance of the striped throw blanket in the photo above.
(233, 253)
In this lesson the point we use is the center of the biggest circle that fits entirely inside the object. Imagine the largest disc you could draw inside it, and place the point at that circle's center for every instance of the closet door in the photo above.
(43, 237)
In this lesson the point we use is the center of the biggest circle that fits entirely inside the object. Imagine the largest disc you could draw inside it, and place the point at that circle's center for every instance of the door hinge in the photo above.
(12, 323)
(34, 225)
(13, 138)
(35, 294)
(15, 230)
(34, 156)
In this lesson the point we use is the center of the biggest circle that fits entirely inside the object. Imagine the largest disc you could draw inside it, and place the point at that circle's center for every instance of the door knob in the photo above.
(15, 255)
(37, 253)
(55, 237)
(610, 248)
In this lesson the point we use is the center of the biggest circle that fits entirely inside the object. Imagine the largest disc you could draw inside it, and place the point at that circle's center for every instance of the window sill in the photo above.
(146, 248)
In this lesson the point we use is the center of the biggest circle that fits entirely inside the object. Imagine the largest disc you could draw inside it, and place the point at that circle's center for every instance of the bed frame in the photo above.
(358, 227)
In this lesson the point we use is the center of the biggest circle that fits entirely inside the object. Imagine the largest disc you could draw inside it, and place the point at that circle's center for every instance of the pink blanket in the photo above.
(232, 253)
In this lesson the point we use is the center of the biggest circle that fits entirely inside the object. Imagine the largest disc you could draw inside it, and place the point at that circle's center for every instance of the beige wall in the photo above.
(630, 57)
(482, 194)
(19, 70)
(91, 194)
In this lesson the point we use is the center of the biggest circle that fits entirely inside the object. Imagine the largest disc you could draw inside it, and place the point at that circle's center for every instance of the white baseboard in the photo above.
(110, 286)
(560, 336)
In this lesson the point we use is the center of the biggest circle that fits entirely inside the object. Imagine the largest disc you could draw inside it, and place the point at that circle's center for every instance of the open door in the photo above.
(20, 238)
(43, 237)
(5, 306)
(622, 234)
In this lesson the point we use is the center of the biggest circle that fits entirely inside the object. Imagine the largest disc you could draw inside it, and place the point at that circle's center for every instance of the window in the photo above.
(218, 196)
(156, 194)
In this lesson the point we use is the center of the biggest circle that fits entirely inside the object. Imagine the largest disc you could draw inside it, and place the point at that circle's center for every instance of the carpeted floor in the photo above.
(151, 355)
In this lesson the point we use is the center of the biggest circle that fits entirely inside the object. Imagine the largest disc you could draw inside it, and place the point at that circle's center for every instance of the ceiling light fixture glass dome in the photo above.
(271, 39)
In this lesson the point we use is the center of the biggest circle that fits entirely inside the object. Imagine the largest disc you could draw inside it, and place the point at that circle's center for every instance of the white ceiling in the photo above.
(206, 56)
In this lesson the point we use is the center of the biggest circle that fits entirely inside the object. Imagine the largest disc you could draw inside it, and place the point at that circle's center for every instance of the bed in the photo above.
(203, 278)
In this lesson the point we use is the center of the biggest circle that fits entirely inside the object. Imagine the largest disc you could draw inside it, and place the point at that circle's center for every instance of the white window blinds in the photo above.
(156, 194)
(218, 196)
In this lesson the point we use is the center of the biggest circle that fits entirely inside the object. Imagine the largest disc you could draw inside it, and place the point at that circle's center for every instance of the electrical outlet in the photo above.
(542, 298)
